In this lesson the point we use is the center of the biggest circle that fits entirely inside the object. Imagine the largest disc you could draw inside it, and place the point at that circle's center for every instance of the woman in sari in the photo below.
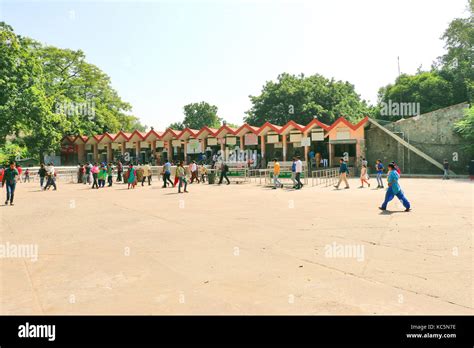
(132, 176)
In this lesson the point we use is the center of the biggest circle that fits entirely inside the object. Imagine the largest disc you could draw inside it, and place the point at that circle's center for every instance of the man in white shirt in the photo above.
(298, 171)
(194, 172)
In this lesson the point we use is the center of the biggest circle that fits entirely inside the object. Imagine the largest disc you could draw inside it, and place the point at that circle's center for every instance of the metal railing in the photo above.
(325, 177)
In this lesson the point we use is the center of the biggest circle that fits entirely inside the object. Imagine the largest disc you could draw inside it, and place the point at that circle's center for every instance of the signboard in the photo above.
(278, 145)
(194, 146)
(251, 139)
(176, 143)
(306, 141)
(271, 139)
(101, 146)
(211, 141)
(294, 138)
(231, 141)
(66, 149)
(317, 136)
(343, 134)
(160, 143)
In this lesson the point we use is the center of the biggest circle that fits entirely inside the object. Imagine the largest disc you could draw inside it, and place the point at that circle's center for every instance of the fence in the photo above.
(325, 177)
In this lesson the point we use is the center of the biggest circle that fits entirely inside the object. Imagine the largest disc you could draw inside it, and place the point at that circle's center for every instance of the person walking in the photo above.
(224, 171)
(119, 171)
(446, 169)
(276, 172)
(343, 171)
(394, 189)
(20, 171)
(167, 174)
(132, 177)
(379, 169)
(110, 172)
(2, 172)
(27, 175)
(51, 173)
(102, 175)
(79, 173)
(95, 175)
(176, 177)
(181, 173)
(364, 177)
(146, 174)
(194, 172)
(298, 171)
(203, 172)
(42, 175)
(293, 172)
(10, 175)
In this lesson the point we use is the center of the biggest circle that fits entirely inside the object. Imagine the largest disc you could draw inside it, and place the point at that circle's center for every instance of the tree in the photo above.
(456, 65)
(176, 126)
(427, 88)
(198, 115)
(25, 109)
(465, 128)
(451, 78)
(47, 92)
(301, 98)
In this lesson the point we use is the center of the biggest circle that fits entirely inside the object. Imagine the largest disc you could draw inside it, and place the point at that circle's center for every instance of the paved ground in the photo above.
(239, 249)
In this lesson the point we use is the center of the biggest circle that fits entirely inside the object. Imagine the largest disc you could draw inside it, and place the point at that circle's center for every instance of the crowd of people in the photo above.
(98, 174)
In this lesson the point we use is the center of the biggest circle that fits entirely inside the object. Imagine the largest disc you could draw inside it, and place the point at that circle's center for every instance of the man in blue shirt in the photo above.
(167, 174)
(379, 169)
(394, 189)
(343, 171)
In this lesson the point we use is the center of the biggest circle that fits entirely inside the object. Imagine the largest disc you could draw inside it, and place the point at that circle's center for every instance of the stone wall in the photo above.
(431, 133)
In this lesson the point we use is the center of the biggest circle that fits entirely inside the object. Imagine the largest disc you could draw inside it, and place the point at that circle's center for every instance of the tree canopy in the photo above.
(47, 92)
(302, 98)
(198, 115)
(451, 77)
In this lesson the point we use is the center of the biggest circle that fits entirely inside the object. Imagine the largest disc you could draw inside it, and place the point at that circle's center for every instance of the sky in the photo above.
(164, 54)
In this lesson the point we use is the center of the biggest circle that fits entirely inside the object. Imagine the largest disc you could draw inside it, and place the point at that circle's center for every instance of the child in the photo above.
(27, 175)
(364, 177)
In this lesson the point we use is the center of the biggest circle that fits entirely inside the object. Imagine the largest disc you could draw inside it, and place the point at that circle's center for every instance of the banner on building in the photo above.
(231, 141)
(295, 137)
(317, 135)
(306, 141)
(194, 146)
(272, 138)
(251, 139)
(211, 141)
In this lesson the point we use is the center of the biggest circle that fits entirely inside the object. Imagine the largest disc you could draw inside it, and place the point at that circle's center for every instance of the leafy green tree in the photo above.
(25, 109)
(427, 88)
(11, 150)
(465, 128)
(47, 92)
(456, 66)
(300, 98)
(451, 78)
(176, 126)
(198, 115)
